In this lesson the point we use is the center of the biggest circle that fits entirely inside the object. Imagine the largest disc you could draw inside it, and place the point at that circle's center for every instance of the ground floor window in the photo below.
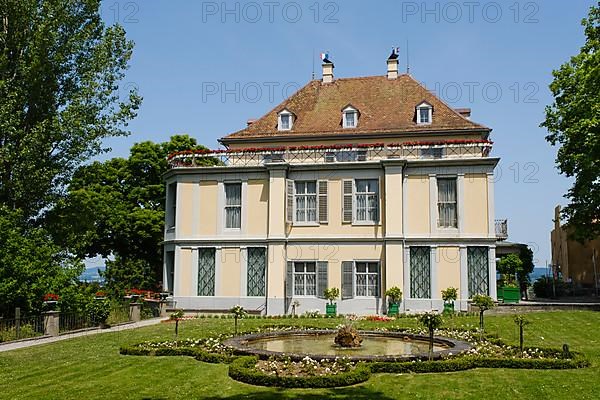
(420, 272)
(170, 271)
(257, 263)
(361, 278)
(305, 278)
(478, 270)
(206, 272)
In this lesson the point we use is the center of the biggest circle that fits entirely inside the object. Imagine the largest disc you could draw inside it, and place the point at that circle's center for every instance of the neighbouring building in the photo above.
(356, 183)
(572, 259)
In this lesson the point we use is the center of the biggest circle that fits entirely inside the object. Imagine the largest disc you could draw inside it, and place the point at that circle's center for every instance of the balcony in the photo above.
(253, 157)
(501, 229)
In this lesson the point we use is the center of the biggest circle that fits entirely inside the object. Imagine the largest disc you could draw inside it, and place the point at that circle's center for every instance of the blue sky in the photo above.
(204, 68)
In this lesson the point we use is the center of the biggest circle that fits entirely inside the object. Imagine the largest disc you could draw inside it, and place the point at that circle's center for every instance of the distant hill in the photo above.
(92, 274)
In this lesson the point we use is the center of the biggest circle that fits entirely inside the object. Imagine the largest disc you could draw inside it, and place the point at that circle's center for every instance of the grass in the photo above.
(92, 368)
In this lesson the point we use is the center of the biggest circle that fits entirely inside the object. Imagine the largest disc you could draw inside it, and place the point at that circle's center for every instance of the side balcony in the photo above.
(251, 157)
(501, 229)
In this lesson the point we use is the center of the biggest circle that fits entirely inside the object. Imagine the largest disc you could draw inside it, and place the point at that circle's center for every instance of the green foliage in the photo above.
(526, 256)
(450, 294)
(99, 310)
(197, 353)
(60, 69)
(238, 311)
(177, 315)
(542, 287)
(483, 302)
(430, 320)
(509, 266)
(116, 209)
(243, 370)
(331, 294)
(394, 294)
(75, 298)
(31, 265)
(573, 123)
(26, 331)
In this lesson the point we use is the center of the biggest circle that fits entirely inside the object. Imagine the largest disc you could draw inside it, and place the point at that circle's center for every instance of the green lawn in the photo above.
(92, 368)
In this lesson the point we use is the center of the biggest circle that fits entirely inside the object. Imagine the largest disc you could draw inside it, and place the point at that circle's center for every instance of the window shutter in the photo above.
(321, 278)
(347, 279)
(323, 203)
(347, 201)
(289, 280)
(289, 201)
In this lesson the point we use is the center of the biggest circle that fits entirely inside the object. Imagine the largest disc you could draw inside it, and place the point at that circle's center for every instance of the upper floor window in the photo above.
(306, 201)
(367, 200)
(285, 120)
(350, 117)
(424, 113)
(233, 205)
(172, 205)
(447, 214)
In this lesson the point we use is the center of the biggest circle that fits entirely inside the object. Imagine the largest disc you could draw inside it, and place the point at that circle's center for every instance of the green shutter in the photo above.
(289, 280)
(323, 203)
(321, 278)
(347, 280)
(348, 187)
(289, 201)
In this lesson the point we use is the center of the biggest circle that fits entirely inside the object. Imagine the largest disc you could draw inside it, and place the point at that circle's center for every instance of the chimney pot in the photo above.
(392, 65)
(250, 121)
(327, 71)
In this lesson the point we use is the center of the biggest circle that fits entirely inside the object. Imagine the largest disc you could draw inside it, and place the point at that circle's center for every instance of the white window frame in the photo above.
(437, 205)
(280, 120)
(304, 274)
(429, 108)
(306, 195)
(354, 280)
(225, 206)
(345, 112)
(355, 194)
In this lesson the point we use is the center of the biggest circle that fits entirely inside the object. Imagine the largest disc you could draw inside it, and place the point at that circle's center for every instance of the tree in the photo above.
(484, 303)
(526, 256)
(573, 123)
(115, 209)
(509, 266)
(431, 321)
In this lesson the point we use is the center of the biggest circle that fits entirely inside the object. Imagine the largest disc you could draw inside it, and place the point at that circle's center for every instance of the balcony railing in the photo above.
(331, 154)
(501, 229)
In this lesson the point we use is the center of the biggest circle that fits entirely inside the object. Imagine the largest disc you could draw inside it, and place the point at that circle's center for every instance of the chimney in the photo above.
(392, 65)
(465, 112)
(327, 71)
(250, 121)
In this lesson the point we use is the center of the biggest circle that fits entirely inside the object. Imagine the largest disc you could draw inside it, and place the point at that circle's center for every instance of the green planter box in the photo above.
(500, 293)
(511, 295)
(449, 308)
(331, 310)
(393, 309)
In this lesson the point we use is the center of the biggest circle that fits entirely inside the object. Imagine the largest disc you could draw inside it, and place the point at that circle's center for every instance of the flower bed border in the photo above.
(198, 354)
(244, 370)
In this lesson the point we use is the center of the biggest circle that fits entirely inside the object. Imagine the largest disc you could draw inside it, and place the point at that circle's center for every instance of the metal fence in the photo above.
(74, 321)
(21, 328)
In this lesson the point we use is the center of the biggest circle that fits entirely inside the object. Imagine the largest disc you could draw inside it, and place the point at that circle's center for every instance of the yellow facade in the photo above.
(417, 205)
(476, 204)
(208, 204)
(448, 268)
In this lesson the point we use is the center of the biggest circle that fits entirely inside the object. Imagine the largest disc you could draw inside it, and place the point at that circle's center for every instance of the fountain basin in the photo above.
(319, 345)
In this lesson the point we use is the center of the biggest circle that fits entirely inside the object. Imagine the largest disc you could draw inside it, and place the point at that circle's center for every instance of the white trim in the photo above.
(243, 271)
(218, 265)
(196, 204)
(427, 106)
(177, 279)
(380, 273)
(244, 207)
(194, 277)
(220, 205)
(316, 194)
(354, 203)
(433, 266)
(492, 273)
(433, 197)
(404, 202)
(490, 199)
(406, 273)
(345, 112)
(460, 202)
(291, 120)
(464, 274)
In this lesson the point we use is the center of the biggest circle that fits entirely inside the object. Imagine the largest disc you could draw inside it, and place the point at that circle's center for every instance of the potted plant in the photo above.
(331, 294)
(509, 266)
(449, 295)
(394, 295)
(50, 301)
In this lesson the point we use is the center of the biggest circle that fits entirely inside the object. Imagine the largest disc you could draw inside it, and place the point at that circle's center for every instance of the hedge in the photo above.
(244, 370)
(198, 354)
(470, 362)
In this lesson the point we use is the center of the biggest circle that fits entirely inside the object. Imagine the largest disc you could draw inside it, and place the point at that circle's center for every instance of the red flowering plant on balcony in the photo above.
(51, 297)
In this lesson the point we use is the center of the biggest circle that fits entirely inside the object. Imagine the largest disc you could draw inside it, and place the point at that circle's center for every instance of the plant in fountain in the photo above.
(449, 296)
(332, 295)
(347, 336)
(394, 295)
(484, 303)
(431, 321)
(238, 313)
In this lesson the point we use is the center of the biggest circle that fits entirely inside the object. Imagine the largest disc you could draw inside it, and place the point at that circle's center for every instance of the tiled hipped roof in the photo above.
(385, 106)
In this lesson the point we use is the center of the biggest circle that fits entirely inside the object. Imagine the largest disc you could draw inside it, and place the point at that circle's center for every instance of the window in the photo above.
(305, 279)
(350, 119)
(257, 264)
(172, 207)
(233, 205)
(170, 271)
(447, 217)
(367, 200)
(367, 279)
(420, 272)
(432, 152)
(285, 120)
(306, 201)
(206, 272)
(477, 270)
(424, 113)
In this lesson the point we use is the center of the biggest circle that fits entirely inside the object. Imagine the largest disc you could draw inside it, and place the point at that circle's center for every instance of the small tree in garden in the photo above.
(394, 295)
(449, 295)
(521, 321)
(484, 303)
(509, 266)
(431, 321)
(176, 316)
(238, 312)
(331, 294)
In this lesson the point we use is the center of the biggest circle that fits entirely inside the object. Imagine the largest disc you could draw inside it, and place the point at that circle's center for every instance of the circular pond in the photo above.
(319, 344)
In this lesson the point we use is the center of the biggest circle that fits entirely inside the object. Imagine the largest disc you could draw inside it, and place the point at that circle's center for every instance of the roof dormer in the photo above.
(350, 116)
(285, 120)
(424, 113)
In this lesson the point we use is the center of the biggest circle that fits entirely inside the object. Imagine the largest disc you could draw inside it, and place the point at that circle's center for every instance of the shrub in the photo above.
(394, 294)
(542, 287)
(449, 294)
(99, 310)
(331, 294)
(484, 303)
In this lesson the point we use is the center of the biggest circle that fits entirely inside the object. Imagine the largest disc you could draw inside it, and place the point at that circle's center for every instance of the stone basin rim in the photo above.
(240, 346)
